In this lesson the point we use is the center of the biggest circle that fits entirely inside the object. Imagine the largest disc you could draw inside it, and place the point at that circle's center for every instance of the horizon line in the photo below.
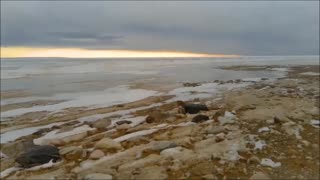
(54, 52)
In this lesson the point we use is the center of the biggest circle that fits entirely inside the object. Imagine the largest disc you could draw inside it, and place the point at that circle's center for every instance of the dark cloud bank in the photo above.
(248, 28)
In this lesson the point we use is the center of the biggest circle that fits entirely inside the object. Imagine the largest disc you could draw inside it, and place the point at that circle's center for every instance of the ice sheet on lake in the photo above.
(108, 97)
(203, 91)
(15, 134)
(310, 73)
(281, 69)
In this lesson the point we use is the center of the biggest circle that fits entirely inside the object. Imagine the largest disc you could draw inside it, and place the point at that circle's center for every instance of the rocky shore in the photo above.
(267, 129)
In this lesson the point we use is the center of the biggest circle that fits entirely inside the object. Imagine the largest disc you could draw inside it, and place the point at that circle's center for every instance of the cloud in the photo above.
(249, 28)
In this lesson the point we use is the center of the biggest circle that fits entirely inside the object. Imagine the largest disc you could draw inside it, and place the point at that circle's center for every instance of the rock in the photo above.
(216, 115)
(101, 124)
(123, 122)
(247, 107)
(57, 142)
(156, 116)
(72, 153)
(259, 176)
(161, 145)
(200, 118)
(140, 163)
(220, 137)
(150, 119)
(152, 172)
(98, 176)
(96, 154)
(215, 130)
(181, 110)
(107, 144)
(38, 155)
(253, 160)
(191, 84)
(123, 127)
(193, 108)
(13, 149)
(178, 153)
(209, 177)
(270, 121)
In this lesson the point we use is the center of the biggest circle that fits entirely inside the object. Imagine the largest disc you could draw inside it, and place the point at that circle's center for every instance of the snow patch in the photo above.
(280, 69)
(270, 163)
(264, 129)
(135, 134)
(108, 97)
(15, 134)
(8, 171)
(310, 74)
(315, 123)
(259, 145)
(55, 135)
(45, 166)
(228, 118)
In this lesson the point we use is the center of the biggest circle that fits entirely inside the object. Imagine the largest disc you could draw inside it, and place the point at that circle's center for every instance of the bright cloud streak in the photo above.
(26, 52)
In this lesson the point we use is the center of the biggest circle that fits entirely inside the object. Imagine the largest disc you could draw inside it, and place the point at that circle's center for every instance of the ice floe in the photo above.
(108, 97)
(15, 134)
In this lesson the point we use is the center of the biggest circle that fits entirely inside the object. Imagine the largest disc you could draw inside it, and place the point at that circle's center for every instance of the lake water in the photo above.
(105, 82)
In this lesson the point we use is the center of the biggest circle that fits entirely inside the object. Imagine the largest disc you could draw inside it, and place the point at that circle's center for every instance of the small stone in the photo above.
(72, 153)
(215, 130)
(200, 118)
(96, 154)
(193, 108)
(181, 110)
(270, 121)
(150, 119)
(247, 107)
(107, 144)
(101, 124)
(253, 160)
(209, 177)
(123, 127)
(57, 142)
(98, 176)
(220, 137)
(123, 122)
(259, 176)
(152, 172)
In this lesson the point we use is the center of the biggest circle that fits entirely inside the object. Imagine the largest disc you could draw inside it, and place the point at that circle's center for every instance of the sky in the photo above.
(207, 27)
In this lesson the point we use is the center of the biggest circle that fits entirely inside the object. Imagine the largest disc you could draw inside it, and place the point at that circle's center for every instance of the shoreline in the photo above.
(240, 112)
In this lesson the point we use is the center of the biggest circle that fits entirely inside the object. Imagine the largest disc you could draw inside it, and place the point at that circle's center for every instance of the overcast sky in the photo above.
(245, 28)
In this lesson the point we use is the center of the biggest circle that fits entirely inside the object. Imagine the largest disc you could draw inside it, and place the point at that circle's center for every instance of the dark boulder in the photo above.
(200, 118)
(38, 155)
(194, 108)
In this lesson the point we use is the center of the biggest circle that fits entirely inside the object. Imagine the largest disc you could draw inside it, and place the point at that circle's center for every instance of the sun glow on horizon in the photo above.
(27, 52)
